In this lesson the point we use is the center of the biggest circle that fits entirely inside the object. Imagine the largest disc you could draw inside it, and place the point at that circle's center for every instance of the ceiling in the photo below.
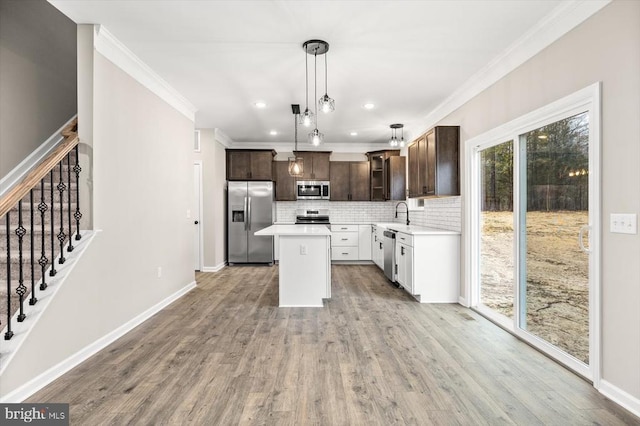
(406, 57)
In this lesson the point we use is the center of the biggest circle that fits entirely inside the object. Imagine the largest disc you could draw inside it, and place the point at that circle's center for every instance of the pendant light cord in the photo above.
(315, 81)
(306, 73)
(325, 75)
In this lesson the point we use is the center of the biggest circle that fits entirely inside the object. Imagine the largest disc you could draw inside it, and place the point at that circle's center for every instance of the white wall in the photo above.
(142, 189)
(604, 48)
(212, 154)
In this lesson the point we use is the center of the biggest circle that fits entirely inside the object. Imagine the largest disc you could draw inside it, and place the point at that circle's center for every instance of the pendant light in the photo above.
(296, 164)
(394, 141)
(326, 103)
(306, 119)
(315, 47)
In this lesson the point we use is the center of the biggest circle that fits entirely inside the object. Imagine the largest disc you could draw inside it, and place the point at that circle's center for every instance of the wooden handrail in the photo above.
(35, 176)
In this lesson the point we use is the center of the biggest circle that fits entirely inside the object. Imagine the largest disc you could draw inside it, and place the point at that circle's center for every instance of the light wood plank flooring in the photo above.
(226, 354)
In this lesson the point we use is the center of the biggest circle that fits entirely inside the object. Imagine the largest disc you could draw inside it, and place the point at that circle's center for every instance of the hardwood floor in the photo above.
(226, 354)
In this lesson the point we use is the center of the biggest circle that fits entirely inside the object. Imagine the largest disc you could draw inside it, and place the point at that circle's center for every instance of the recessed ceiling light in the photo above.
(368, 106)
(260, 104)
(273, 132)
(542, 137)
(354, 133)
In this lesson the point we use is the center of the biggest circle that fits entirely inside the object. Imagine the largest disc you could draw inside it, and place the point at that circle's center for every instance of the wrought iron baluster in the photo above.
(32, 299)
(70, 246)
(52, 271)
(8, 334)
(77, 215)
(43, 261)
(61, 235)
(21, 290)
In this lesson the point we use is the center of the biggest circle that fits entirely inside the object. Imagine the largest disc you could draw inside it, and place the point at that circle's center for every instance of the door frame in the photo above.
(199, 199)
(587, 99)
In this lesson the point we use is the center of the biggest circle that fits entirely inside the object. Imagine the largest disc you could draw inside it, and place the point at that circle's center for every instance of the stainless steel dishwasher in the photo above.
(390, 255)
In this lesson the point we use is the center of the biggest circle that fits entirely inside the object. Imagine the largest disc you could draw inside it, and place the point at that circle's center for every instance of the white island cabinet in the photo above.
(304, 263)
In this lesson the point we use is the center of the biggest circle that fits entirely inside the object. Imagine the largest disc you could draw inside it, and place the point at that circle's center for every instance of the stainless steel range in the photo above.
(312, 216)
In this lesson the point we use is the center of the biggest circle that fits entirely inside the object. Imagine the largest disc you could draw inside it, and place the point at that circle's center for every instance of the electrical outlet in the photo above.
(621, 223)
(159, 271)
(303, 249)
(188, 214)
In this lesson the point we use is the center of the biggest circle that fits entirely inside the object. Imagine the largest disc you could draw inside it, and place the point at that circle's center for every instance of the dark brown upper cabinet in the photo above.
(434, 159)
(316, 164)
(388, 180)
(245, 164)
(284, 182)
(349, 181)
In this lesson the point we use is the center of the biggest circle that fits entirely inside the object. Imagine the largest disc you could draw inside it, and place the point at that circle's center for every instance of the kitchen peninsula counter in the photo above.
(304, 264)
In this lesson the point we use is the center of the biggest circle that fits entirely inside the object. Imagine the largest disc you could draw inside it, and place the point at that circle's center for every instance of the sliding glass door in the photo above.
(554, 214)
(496, 229)
(534, 228)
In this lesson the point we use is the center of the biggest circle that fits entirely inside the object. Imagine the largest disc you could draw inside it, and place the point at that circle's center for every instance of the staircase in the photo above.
(38, 230)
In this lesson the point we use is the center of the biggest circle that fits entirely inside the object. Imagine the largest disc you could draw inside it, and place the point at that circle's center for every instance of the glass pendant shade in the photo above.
(306, 118)
(315, 137)
(326, 104)
(296, 166)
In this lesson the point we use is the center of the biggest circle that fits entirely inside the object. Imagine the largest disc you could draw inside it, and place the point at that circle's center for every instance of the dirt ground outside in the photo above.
(557, 276)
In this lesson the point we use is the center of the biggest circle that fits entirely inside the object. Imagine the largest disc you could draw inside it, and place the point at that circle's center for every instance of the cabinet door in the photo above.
(414, 171)
(339, 181)
(404, 260)
(320, 166)
(447, 179)
(238, 165)
(422, 166)
(359, 180)
(261, 167)
(285, 184)
(430, 164)
(364, 242)
(396, 178)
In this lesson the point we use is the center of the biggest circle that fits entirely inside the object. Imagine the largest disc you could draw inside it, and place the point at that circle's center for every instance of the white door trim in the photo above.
(200, 245)
(589, 99)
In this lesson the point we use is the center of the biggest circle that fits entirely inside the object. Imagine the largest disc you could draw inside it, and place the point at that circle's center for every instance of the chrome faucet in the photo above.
(407, 207)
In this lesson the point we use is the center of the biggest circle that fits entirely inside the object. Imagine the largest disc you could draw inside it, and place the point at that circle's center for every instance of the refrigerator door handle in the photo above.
(246, 220)
(249, 213)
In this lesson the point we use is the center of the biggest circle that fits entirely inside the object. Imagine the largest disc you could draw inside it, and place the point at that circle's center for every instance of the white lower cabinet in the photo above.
(377, 248)
(344, 242)
(429, 266)
(364, 242)
(404, 265)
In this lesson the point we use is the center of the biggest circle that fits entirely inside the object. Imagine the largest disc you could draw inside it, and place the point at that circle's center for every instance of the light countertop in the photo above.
(296, 230)
(416, 229)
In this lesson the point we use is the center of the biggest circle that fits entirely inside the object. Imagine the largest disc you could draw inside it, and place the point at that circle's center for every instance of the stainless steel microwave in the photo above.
(312, 190)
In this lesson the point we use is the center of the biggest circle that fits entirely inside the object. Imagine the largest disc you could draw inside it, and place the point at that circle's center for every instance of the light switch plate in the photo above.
(303, 249)
(623, 223)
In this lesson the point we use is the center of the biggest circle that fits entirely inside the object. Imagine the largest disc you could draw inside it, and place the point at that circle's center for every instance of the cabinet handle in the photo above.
(375, 238)
(401, 251)
(344, 239)
(380, 245)
(345, 253)
(344, 229)
(402, 238)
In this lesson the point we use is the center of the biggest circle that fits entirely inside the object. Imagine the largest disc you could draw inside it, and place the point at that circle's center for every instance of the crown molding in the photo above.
(223, 138)
(113, 49)
(347, 147)
(565, 17)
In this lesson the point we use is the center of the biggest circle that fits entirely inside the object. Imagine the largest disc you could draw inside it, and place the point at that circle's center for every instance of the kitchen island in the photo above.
(304, 264)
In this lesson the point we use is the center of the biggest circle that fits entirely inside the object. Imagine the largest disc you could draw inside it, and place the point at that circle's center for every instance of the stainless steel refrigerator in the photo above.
(250, 207)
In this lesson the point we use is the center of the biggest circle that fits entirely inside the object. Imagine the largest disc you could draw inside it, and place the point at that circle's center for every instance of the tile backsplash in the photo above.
(348, 211)
(441, 213)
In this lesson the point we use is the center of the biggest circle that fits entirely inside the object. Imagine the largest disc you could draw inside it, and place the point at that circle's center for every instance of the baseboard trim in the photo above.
(37, 383)
(463, 301)
(620, 397)
(214, 268)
